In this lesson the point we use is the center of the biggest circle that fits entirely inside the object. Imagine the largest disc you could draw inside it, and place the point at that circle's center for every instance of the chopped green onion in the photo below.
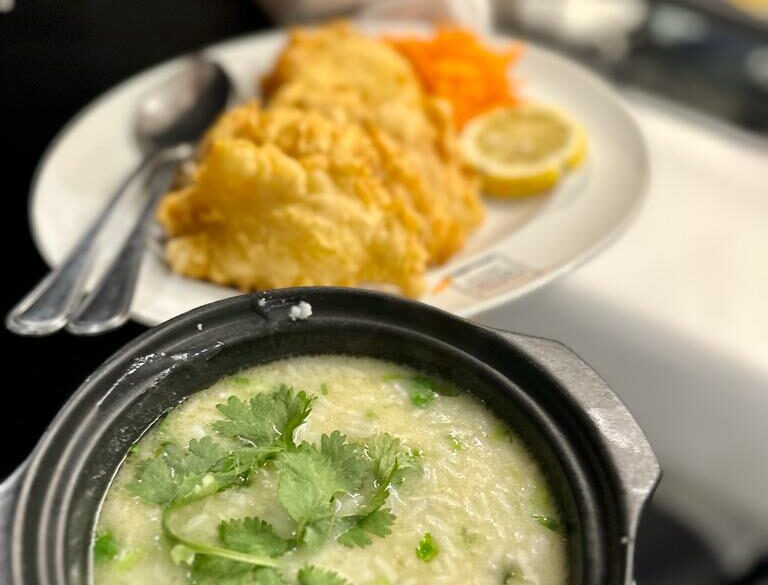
(427, 549)
(422, 392)
(546, 522)
(105, 548)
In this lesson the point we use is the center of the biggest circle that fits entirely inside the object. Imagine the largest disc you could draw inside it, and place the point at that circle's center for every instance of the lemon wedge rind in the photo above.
(548, 142)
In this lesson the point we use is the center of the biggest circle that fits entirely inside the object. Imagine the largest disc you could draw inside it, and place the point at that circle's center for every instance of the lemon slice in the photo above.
(524, 149)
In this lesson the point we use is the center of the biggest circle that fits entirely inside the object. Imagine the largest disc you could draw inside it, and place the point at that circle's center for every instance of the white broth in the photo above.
(463, 477)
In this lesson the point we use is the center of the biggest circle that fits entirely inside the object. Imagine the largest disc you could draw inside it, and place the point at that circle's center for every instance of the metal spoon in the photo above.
(169, 120)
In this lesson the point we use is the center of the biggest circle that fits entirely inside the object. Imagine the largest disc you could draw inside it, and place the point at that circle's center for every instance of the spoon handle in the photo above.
(49, 305)
(108, 306)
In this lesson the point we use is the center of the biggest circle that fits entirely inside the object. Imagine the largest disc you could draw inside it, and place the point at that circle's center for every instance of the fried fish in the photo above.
(349, 175)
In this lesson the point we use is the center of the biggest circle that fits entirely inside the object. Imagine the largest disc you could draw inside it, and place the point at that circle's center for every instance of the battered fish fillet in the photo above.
(349, 77)
(350, 175)
(288, 198)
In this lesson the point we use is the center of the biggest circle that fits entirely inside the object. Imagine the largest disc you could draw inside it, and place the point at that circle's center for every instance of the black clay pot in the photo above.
(596, 457)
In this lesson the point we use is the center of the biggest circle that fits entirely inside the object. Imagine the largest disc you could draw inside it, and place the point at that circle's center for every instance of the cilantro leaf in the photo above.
(377, 523)
(338, 467)
(309, 479)
(348, 459)
(235, 467)
(317, 576)
(201, 455)
(306, 483)
(211, 570)
(251, 535)
(371, 519)
(388, 462)
(354, 536)
(105, 548)
(209, 558)
(176, 475)
(267, 576)
(427, 549)
(155, 482)
(266, 419)
(390, 459)
(385, 453)
(383, 450)
(196, 481)
(315, 531)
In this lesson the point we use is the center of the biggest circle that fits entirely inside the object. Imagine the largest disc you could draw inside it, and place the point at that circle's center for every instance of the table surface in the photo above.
(674, 314)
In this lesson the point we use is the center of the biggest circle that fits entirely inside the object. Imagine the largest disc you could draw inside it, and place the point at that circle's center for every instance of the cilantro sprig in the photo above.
(311, 479)
(389, 463)
(267, 419)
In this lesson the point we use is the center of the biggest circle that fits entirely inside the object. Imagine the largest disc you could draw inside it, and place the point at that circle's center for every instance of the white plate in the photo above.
(522, 245)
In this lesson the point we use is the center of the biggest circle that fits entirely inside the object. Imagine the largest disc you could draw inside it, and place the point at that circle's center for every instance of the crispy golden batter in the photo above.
(288, 198)
(350, 175)
(350, 77)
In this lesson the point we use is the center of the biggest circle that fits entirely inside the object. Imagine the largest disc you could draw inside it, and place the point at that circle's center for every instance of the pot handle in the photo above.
(9, 491)
(637, 469)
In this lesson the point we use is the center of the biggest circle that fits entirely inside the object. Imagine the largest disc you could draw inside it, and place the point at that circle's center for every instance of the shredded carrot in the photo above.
(455, 65)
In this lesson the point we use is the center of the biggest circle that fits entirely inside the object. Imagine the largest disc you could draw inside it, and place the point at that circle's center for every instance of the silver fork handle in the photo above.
(108, 306)
(49, 305)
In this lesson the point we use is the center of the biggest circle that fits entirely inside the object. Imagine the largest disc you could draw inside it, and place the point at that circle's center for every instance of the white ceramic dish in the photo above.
(522, 245)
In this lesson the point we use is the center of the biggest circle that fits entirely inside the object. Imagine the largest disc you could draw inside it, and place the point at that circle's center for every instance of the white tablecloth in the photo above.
(674, 315)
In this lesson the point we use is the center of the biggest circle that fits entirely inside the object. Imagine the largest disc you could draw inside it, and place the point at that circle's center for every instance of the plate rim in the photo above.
(593, 79)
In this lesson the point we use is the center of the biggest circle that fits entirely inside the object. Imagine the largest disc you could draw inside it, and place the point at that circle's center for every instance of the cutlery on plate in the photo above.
(170, 119)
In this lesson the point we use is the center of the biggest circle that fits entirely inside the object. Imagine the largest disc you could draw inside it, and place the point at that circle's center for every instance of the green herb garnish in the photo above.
(253, 536)
(105, 548)
(468, 536)
(209, 570)
(427, 549)
(501, 432)
(310, 479)
(422, 392)
(266, 418)
(176, 476)
(324, 389)
(316, 576)
(546, 521)
(456, 444)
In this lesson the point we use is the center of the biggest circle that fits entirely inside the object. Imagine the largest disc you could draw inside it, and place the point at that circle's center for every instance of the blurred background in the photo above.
(711, 55)
(692, 68)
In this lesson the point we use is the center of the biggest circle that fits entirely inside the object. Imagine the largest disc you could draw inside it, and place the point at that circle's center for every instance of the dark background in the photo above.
(55, 57)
